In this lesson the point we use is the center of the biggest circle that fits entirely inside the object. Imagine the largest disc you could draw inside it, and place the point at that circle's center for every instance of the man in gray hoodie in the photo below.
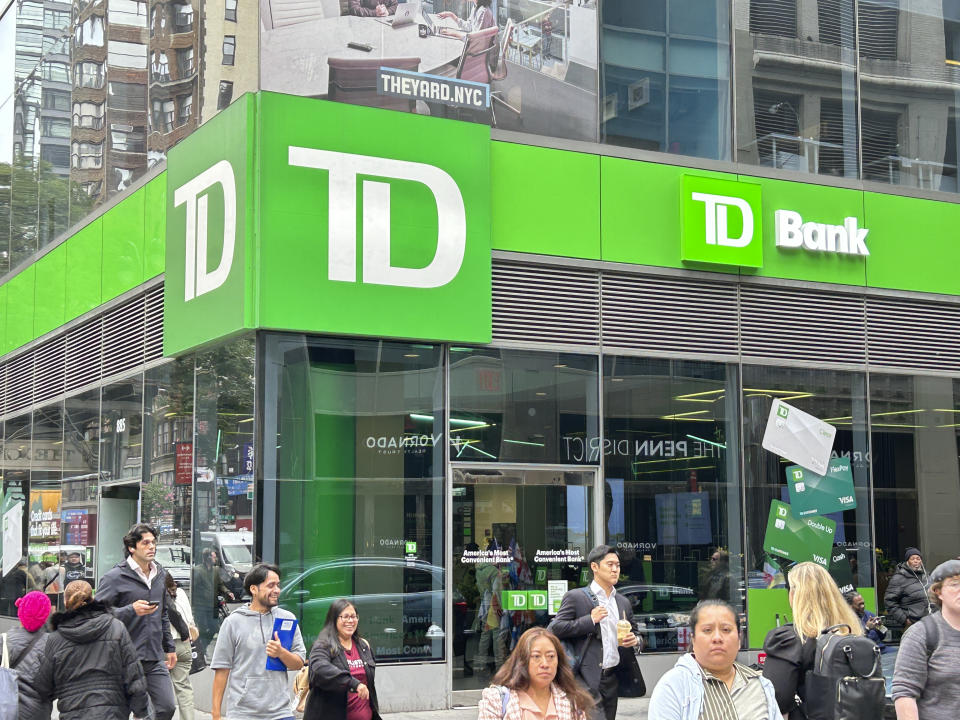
(246, 640)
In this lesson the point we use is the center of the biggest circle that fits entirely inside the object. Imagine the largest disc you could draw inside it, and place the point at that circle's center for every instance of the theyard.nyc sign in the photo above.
(721, 223)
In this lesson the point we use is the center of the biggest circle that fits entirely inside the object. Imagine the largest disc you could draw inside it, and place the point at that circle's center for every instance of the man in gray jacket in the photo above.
(246, 640)
(134, 591)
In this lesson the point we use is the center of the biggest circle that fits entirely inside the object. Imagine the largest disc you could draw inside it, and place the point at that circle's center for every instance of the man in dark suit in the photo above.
(588, 620)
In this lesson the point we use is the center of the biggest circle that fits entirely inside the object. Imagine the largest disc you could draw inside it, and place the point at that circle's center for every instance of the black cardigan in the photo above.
(786, 666)
(330, 681)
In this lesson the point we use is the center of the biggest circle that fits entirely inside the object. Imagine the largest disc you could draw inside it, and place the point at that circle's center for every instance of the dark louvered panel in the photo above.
(153, 333)
(123, 337)
(50, 369)
(84, 353)
(545, 304)
(660, 314)
(910, 334)
(794, 324)
(20, 382)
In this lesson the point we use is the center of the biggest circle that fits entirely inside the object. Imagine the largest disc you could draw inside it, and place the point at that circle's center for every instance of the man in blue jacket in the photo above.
(134, 590)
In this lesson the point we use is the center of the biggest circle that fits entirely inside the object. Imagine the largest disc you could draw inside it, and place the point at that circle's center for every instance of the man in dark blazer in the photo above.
(587, 619)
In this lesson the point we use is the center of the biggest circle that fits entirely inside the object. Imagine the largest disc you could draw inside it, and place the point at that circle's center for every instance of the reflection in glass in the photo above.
(353, 486)
(523, 406)
(16, 483)
(671, 490)
(512, 530)
(796, 86)
(916, 471)
(81, 467)
(838, 398)
(223, 464)
(665, 76)
(44, 547)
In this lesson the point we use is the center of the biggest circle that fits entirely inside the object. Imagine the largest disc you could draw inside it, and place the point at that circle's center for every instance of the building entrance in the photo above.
(518, 535)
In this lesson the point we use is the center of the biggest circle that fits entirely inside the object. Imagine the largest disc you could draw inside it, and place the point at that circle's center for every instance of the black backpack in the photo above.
(846, 682)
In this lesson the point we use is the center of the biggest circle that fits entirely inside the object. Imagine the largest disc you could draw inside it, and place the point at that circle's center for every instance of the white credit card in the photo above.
(799, 437)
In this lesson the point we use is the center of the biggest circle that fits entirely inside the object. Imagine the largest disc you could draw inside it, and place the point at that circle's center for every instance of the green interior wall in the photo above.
(764, 605)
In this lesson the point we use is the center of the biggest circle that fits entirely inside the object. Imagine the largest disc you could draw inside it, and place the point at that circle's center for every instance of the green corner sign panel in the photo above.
(289, 213)
(721, 222)
(208, 288)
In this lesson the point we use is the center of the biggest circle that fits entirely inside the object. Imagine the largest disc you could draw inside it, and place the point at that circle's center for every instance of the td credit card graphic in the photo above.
(798, 539)
(812, 494)
(798, 436)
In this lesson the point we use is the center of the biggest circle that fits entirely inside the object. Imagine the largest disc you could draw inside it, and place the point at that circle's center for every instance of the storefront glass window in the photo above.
(523, 406)
(838, 398)
(353, 486)
(16, 487)
(44, 514)
(516, 535)
(916, 472)
(81, 468)
(671, 491)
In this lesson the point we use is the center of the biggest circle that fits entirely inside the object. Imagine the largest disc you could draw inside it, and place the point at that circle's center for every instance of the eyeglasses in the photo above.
(953, 584)
(348, 618)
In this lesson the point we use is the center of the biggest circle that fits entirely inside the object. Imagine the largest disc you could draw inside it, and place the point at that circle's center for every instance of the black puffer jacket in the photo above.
(25, 659)
(906, 596)
(91, 667)
(788, 660)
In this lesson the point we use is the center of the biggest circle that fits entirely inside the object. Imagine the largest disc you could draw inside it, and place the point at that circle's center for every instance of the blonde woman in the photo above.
(817, 604)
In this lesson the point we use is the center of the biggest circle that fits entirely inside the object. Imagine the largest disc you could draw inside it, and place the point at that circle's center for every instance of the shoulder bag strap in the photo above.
(5, 662)
(931, 635)
(504, 700)
(26, 649)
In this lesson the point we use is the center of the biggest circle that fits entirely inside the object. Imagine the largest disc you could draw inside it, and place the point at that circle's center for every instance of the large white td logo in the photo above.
(716, 221)
(342, 228)
(198, 280)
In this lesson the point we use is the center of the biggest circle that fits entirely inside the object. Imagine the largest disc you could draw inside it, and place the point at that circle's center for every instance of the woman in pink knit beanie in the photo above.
(26, 645)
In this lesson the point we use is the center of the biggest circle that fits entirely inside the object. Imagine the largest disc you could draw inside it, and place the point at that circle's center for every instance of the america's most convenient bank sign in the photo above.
(328, 226)
(722, 223)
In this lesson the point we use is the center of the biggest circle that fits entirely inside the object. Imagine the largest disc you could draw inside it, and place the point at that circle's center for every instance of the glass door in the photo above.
(520, 537)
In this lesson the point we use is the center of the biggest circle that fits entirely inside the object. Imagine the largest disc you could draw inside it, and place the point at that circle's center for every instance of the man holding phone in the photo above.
(134, 590)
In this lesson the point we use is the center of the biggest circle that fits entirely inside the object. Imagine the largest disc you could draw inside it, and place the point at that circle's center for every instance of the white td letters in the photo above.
(197, 280)
(716, 219)
(342, 241)
(793, 232)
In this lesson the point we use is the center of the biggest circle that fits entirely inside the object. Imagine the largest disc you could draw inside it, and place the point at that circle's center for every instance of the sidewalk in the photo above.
(629, 709)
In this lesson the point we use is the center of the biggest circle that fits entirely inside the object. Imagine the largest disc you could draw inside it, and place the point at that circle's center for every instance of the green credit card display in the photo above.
(812, 494)
(798, 539)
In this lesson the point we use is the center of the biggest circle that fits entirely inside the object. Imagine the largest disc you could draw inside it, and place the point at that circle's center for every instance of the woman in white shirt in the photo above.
(481, 17)
(184, 630)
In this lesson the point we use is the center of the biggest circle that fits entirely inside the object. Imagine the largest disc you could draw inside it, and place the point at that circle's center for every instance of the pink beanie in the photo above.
(33, 609)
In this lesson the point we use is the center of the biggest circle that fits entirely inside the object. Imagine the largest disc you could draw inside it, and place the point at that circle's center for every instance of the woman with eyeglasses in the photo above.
(341, 670)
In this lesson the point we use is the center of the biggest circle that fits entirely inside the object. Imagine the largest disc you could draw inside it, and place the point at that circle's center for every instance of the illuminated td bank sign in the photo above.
(721, 223)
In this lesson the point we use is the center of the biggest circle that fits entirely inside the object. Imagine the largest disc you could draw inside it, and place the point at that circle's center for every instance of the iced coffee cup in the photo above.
(623, 629)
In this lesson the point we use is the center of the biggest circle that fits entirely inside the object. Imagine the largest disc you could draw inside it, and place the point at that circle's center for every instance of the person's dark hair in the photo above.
(484, 3)
(850, 597)
(257, 575)
(328, 636)
(171, 585)
(599, 553)
(206, 554)
(135, 535)
(712, 602)
(76, 594)
(515, 673)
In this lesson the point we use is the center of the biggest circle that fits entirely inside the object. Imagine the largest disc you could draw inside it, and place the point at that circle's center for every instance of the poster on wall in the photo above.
(798, 539)
(513, 64)
(683, 518)
(12, 510)
(798, 436)
(813, 494)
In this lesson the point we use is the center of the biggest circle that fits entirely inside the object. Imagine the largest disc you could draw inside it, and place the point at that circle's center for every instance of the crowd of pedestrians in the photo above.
(130, 648)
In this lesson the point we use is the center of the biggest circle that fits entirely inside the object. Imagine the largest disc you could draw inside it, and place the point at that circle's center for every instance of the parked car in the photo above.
(661, 612)
(175, 559)
(234, 556)
(400, 602)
